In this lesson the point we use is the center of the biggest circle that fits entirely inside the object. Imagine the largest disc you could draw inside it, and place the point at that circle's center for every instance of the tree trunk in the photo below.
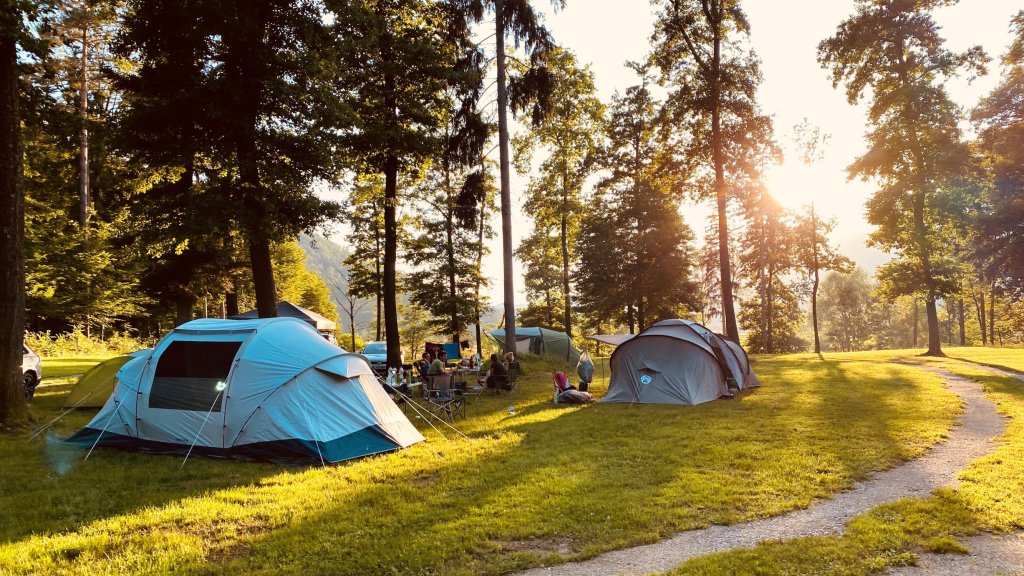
(263, 277)
(245, 57)
(453, 309)
(566, 295)
(981, 318)
(641, 316)
(231, 300)
(184, 305)
(506, 193)
(380, 283)
(916, 321)
(479, 264)
(961, 321)
(13, 409)
(83, 145)
(631, 319)
(934, 341)
(814, 287)
(721, 192)
(567, 301)
(394, 346)
(352, 322)
(992, 316)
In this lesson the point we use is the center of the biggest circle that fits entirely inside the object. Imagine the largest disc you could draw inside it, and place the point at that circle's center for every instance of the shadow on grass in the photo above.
(587, 480)
(110, 483)
(541, 485)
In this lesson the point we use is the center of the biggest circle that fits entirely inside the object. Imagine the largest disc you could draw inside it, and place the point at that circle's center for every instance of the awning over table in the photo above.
(612, 339)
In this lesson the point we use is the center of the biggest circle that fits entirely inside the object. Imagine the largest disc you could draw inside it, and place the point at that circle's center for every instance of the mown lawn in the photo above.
(990, 498)
(532, 485)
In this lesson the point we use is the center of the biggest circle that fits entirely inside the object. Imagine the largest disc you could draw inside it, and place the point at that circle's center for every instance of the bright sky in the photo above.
(785, 35)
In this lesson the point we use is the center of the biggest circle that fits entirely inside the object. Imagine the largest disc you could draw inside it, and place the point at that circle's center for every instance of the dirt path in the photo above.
(991, 554)
(969, 440)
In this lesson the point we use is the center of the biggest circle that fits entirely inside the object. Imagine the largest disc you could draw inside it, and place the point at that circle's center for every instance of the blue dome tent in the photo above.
(269, 389)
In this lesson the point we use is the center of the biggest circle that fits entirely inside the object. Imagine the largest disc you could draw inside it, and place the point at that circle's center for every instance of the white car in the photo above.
(32, 368)
(377, 354)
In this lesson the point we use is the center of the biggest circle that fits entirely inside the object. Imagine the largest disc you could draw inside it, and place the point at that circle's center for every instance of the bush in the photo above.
(76, 343)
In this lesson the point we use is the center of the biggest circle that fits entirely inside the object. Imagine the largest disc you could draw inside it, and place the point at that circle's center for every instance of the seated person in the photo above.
(437, 366)
(422, 365)
(497, 375)
(509, 359)
(566, 393)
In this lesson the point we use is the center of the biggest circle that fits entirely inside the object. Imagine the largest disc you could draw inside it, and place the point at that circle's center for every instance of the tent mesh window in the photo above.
(190, 375)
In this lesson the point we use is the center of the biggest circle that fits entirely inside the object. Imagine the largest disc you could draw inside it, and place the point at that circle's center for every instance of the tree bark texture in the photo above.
(992, 316)
(246, 59)
(962, 320)
(506, 193)
(13, 409)
(479, 264)
(183, 307)
(814, 287)
(721, 190)
(453, 309)
(83, 145)
(980, 309)
(394, 346)
(231, 301)
(380, 284)
(263, 277)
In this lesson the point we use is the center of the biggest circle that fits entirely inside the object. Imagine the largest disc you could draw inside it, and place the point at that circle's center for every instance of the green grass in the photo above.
(544, 483)
(66, 367)
(990, 497)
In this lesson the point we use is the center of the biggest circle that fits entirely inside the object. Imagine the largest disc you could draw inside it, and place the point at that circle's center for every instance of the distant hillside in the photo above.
(325, 257)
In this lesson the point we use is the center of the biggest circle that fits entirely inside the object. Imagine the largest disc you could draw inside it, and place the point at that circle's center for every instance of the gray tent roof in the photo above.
(676, 362)
(286, 309)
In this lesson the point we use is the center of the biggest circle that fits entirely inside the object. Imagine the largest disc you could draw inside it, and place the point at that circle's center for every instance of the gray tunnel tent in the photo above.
(534, 340)
(677, 362)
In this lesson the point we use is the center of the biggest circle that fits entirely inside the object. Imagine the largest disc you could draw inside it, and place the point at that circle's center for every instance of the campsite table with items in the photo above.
(470, 378)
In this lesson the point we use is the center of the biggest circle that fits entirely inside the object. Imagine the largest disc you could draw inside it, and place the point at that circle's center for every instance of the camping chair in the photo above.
(444, 399)
(513, 376)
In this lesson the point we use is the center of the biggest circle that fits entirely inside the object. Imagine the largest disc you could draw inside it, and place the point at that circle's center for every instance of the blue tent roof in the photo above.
(263, 389)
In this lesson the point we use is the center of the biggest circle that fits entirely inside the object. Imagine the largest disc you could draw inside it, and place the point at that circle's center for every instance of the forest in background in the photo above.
(171, 153)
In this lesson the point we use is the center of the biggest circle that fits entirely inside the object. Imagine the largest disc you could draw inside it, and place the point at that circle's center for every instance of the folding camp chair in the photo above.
(444, 399)
(513, 376)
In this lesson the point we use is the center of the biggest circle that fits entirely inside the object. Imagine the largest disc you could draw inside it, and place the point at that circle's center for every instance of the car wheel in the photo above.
(30, 385)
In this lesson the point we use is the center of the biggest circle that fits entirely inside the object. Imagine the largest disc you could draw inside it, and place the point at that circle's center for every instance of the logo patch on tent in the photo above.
(646, 379)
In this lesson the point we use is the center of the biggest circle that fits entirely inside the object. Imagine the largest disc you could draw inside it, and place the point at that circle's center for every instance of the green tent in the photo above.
(533, 340)
(96, 385)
